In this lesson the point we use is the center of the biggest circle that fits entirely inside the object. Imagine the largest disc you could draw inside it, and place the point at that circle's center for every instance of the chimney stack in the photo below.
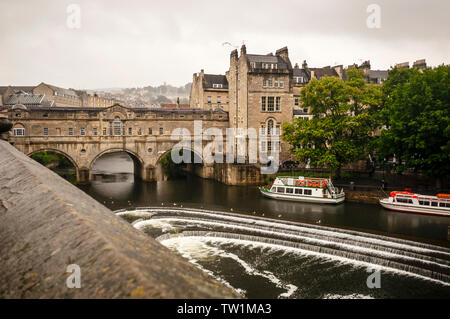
(243, 50)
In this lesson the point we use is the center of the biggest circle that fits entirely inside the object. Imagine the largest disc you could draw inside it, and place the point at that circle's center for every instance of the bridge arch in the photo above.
(138, 162)
(54, 150)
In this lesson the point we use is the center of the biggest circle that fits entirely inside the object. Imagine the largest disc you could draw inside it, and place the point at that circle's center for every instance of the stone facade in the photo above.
(209, 91)
(69, 97)
(85, 134)
(48, 224)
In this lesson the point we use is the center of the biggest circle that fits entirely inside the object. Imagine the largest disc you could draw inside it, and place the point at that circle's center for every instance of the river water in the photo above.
(264, 248)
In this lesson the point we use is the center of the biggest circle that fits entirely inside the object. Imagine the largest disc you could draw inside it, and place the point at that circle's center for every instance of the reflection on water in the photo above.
(115, 186)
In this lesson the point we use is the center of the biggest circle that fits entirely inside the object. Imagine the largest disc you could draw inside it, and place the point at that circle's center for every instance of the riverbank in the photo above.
(369, 197)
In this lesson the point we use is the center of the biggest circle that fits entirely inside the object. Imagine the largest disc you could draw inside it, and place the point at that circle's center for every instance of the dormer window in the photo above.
(217, 86)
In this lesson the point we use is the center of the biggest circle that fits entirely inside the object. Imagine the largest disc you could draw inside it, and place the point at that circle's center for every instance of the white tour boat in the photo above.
(304, 189)
(415, 203)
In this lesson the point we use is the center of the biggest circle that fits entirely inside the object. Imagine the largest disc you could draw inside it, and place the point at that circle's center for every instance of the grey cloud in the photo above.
(136, 43)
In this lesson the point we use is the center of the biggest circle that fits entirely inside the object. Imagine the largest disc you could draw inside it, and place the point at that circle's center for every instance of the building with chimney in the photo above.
(209, 91)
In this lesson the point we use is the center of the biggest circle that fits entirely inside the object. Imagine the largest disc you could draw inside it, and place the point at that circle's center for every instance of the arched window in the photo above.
(117, 124)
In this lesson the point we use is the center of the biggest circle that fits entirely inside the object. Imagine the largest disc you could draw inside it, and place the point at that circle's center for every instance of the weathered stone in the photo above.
(48, 224)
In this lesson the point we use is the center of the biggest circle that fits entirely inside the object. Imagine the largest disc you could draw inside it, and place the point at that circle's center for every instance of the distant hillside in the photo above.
(148, 95)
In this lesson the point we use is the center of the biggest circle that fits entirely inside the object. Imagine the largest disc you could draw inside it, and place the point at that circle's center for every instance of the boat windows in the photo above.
(441, 204)
(308, 192)
(299, 191)
(273, 189)
(434, 204)
(404, 200)
(289, 190)
(280, 189)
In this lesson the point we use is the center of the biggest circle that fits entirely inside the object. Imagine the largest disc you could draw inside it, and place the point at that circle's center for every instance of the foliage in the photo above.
(342, 124)
(48, 158)
(416, 115)
(169, 168)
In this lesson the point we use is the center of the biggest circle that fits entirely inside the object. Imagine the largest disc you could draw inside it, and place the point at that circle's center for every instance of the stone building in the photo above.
(60, 96)
(262, 92)
(209, 91)
(83, 134)
(6, 91)
(70, 97)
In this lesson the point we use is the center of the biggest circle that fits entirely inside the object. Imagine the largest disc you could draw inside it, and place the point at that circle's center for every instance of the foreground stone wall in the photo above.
(47, 224)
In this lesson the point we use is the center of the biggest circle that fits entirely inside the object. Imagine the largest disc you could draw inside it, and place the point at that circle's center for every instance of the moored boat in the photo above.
(304, 189)
(407, 202)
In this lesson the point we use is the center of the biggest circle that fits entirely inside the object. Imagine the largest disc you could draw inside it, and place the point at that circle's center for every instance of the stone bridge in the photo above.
(85, 134)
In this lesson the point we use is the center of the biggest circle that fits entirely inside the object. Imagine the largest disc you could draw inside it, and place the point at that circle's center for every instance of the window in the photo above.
(278, 103)
(270, 103)
(209, 100)
(82, 131)
(298, 191)
(95, 131)
(263, 103)
(281, 84)
(45, 115)
(253, 65)
(19, 131)
(270, 82)
(264, 83)
(104, 132)
(280, 189)
(219, 99)
(217, 86)
(70, 131)
(296, 100)
(269, 146)
(298, 79)
(150, 132)
(289, 190)
(276, 84)
(139, 131)
(161, 131)
(45, 131)
(277, 130)
(434, 204)
(117, 126)
(307, 192)
(130, 131)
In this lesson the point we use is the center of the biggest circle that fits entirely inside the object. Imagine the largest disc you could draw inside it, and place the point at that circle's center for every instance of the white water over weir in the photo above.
(392, 254)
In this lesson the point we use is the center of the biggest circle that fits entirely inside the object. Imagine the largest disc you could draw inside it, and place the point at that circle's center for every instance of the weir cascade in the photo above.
(223, 235)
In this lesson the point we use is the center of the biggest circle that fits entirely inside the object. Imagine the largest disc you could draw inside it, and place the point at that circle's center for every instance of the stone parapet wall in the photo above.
(48, 224)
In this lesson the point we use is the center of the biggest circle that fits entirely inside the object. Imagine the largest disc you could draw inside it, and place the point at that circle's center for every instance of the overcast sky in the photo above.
(138, 43)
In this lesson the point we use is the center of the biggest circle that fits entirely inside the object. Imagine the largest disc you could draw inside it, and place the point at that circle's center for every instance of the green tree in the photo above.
(416, 116)
(342, 124)
(169, 168)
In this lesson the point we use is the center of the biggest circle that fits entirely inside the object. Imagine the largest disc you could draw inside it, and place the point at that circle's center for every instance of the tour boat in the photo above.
(304, 189)
(404, 201)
